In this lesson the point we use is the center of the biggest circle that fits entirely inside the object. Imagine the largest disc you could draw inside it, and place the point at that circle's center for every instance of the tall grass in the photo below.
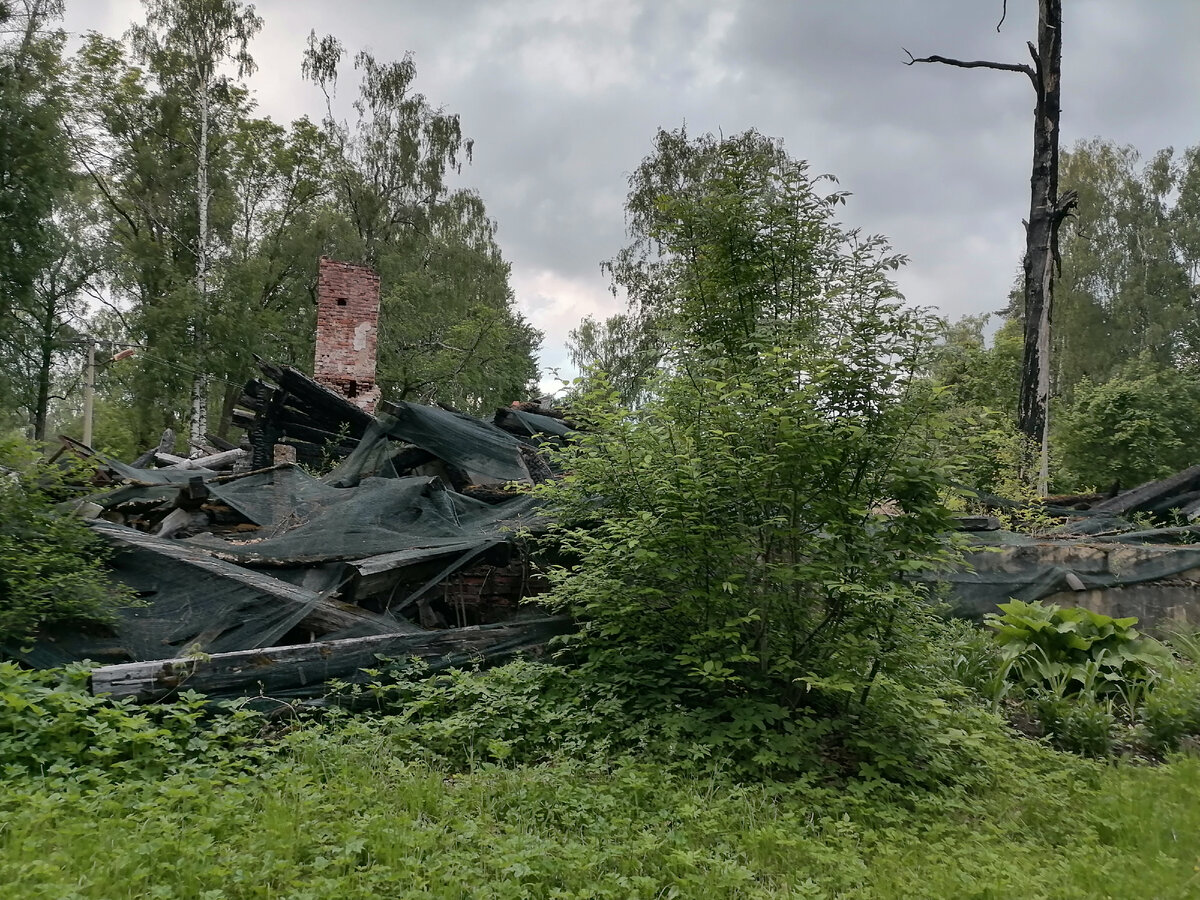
(337, 815)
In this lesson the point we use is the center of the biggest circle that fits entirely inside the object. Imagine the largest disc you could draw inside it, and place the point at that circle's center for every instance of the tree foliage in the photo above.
(1131, 266)
(1125, 328)
(734, 524)
(728, 244)
(621, 349)
(51, 565)
(1139, 425)
(176, 219)
(34, 176)
(449, 327)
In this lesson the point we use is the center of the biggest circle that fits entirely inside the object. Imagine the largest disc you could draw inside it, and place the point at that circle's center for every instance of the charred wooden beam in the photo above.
(283, 670)
(1142, 498)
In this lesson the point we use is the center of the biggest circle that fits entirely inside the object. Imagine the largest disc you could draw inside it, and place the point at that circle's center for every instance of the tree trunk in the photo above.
(229, 401)
(199, 418)
(1046, 213)
(45, 366)
(1041, 249)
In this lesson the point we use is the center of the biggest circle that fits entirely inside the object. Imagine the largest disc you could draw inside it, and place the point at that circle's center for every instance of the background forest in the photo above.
(1125, 386)
(147, 205)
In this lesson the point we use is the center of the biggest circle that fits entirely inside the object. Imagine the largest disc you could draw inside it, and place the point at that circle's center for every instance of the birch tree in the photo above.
(199, 39)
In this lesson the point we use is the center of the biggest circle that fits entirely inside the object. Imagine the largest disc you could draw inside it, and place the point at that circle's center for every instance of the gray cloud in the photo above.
(563, 99)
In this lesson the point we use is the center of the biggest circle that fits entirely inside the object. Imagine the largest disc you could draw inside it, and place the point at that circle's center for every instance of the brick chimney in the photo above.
(347, 325)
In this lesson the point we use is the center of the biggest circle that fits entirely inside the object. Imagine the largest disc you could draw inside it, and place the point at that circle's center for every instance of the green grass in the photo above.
(340, 815)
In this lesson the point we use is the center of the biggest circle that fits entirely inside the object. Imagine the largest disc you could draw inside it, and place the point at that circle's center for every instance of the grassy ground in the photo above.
(339, 817)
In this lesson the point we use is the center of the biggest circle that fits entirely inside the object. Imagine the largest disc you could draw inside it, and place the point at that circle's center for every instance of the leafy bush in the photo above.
(1088, 683)
(1080, 723)
(50, 723)
(529, 712)
(1138, 426)
(1171, 713)
(1074, 649)
(746, 532)
(51, 565)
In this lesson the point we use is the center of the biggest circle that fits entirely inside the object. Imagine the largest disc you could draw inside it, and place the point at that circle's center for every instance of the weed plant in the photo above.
(1088, 683)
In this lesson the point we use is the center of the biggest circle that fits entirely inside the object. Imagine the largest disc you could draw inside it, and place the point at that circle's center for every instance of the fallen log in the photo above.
(166, 444)
(303, 669)
(219, 442)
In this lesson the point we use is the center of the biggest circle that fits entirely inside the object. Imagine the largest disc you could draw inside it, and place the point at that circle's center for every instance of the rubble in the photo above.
(265, 578)
(1101, 555)
(262, 579)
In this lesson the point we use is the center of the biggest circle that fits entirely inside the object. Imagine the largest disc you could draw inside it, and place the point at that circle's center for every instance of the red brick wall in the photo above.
(347, 326)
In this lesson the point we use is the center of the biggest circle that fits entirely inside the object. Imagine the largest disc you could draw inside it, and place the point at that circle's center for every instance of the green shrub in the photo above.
(1138, 426)
(1171, 712)
(1076, 650)
(1079, 723)
(977, 661)
(50, 723)
(750, 525)
(528, 712)
(752, 530)
(51, 564)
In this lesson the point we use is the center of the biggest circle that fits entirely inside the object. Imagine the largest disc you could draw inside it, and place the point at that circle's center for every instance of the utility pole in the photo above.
(89, 390)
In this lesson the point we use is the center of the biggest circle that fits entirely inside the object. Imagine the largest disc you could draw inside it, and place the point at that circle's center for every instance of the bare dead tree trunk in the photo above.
(1047, 210)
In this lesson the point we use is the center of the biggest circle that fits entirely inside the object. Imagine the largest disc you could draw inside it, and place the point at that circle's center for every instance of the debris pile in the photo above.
(261, 578)
(1125, 553)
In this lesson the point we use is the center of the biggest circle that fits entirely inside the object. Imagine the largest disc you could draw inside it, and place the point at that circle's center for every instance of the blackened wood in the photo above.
(319, 398)
(219, 442)
(166, 443)
(1142, 498)
(282, 669)
(1047, 211)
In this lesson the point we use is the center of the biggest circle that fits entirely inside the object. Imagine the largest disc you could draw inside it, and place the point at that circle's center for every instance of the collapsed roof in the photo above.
(411, 542)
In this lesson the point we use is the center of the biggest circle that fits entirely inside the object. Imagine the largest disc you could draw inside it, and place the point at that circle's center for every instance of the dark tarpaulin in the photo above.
(1002, 566)
(531, 425)
(379, 516)
(485, 453)
(194, 603)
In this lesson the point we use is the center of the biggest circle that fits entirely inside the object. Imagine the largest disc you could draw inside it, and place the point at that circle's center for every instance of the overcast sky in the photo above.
(562, 98)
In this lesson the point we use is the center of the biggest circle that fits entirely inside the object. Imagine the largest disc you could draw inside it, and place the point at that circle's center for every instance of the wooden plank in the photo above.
(166, 444)
(251, 672)
(318, 400)
(1140, 498)
(219, 442)
(224, 459)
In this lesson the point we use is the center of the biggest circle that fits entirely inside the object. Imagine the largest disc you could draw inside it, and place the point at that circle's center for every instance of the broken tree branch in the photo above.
(973, 64)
